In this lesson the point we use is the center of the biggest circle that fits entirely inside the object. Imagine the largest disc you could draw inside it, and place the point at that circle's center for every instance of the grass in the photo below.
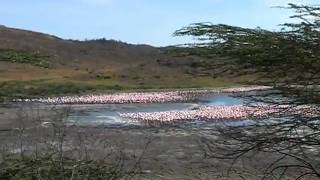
(36, 80)
(14, 56)
(47, 87)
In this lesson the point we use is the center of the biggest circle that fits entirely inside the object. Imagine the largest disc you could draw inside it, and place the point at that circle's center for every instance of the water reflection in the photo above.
(221, 100)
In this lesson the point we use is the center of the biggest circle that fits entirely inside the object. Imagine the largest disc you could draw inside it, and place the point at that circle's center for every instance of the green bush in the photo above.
(14, 56)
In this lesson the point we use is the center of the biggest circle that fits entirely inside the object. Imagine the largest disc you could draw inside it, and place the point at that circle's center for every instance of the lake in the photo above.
(109, 114)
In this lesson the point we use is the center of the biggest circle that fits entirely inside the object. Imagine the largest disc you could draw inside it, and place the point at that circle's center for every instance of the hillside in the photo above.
(33, 63)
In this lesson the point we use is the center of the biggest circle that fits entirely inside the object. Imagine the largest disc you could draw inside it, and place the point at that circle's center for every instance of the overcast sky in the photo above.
(137, 21)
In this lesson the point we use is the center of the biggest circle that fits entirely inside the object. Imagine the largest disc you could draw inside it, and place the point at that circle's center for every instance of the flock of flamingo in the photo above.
(211, 113)
(206, 113)
(220, 113)
(142, 97)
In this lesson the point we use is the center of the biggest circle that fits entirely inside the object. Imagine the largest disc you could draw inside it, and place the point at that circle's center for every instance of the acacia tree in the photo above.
(289, 60)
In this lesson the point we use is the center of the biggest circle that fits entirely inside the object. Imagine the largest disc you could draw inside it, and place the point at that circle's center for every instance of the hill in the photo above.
(33, 63)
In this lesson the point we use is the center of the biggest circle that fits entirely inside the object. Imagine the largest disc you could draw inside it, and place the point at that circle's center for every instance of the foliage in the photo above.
(289, 60)
(14, 56)
(286, 52)
(39, 88)
(20, 89)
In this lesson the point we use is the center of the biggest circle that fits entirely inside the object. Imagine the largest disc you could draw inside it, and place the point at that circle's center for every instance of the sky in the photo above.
(138, 21)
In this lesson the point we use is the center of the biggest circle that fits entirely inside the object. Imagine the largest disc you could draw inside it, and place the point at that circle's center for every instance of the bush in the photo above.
(14, 56)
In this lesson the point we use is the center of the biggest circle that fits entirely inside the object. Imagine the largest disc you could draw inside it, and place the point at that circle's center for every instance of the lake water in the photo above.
(108, 114)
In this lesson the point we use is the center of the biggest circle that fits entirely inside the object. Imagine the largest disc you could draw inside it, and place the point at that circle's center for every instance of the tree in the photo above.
(289, 60)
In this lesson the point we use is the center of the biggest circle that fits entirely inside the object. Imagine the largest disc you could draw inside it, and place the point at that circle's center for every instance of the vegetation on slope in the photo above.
(14, 56)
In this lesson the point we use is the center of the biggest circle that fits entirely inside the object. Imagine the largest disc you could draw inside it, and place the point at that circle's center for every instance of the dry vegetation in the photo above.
(41, 146)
